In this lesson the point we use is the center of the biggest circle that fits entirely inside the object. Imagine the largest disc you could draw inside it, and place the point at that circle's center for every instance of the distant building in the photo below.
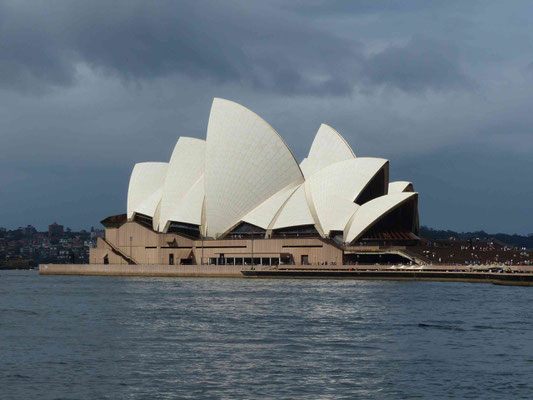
(30, 231)
(55, 231)
(97, 233)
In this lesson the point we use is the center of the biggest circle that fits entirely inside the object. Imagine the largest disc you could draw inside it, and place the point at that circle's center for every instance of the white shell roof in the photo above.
(150, 204)
(246, 163)
(156, 214)
(328, 147)
(304, 166)
(264, 214)
(186, 167)
(295, 211)
(145, 188)
(371, 212)
(189, 209)
(245, 172)
(334, 189)
(333, 211)
(400, 186)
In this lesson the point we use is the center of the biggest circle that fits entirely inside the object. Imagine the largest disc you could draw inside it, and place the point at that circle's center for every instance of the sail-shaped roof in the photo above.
(186, 167)
(244, 172)
(145, 188)
(371, 212)
(246, 163)
(295, 211)
(189, 209)
(328, 147)
(400, 186)
(264, 214)
(335, 188)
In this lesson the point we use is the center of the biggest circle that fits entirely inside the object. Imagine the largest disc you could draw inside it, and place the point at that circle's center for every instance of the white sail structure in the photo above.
(246, 162)
(243, 178)
(183, 184)
(145, 188)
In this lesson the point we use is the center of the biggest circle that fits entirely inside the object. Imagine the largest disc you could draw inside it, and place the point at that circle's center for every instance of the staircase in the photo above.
(120, 253)
(402, 251)
(413, 256)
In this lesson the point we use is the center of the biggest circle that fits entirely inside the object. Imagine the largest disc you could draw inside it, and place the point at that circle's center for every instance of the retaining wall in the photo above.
(226, 271)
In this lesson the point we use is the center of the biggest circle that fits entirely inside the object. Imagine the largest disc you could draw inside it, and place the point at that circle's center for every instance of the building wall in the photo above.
(317, 250)
(138, 242)
(149, 247)
(96, 255)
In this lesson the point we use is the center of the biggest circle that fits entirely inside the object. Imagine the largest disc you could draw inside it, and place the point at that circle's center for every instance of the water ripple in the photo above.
(69, 337)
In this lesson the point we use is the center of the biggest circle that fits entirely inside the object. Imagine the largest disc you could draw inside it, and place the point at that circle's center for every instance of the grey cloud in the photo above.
(420, 64)
(119, 81)
(266, 49)
(30, 55)
(137, 41)
(348, 7)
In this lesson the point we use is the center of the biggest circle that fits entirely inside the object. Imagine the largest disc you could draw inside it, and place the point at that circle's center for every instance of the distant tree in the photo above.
(510, 240)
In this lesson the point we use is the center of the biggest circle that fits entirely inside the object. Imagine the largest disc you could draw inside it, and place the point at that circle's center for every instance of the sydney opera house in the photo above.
(239, 197)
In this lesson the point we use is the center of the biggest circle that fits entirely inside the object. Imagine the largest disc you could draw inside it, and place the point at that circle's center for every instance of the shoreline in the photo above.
(367, 272)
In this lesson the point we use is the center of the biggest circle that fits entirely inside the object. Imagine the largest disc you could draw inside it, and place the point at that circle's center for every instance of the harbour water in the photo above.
(80, 337)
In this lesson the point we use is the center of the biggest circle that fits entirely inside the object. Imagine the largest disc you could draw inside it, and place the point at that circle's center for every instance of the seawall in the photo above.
(221, 271)
(313, 272)
(515, 279)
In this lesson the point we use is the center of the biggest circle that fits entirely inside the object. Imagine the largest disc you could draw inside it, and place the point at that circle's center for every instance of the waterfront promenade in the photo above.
(514, 275)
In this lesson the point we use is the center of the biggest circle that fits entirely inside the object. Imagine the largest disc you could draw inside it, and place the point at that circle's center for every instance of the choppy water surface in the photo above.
(126, 338)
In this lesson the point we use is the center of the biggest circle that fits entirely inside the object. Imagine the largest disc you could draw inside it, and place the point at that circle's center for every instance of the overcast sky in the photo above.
(444, 90)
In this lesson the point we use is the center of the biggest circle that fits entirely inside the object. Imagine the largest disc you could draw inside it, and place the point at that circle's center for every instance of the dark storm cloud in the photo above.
(137, 41)
(441, 88)
(30, 55)
(263, 48)
(420, 64)
(365, 7)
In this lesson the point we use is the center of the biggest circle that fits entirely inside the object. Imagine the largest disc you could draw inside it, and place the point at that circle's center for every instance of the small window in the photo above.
(171, 259)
